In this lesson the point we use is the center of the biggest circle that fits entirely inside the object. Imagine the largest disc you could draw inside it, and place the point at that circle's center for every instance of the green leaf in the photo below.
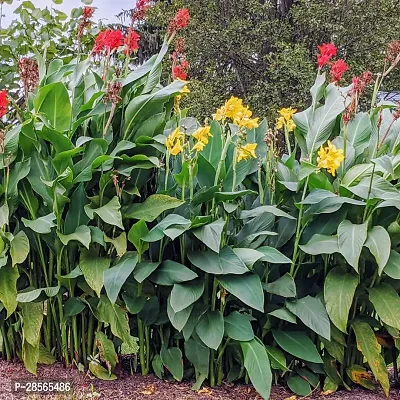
(150, 312)
(106, 351)
(230, 196)
(134, 304)
(172, 360)
(152, 207)
(370, 348)
(185, 294)
(45, 357)
(100, 372)
(313, 314)
(277, 358)
(115, 316)
(115, 277)
(284, 314)
(210, 329)
(173, 225)
(171, 272)
(81, 235)
(32, 295)
(255, 212)
(246, 288)
(211, 234)
(339, 291)
(109, 213)
(93, 268)
(238, 327)
(284, 286)
(30, 356)
(19, 248)
(32, 314)
(392, 267)
(73, 306)
(299, 385)
(41, 225)
(257, 365)
(298, 344)
(351, 238)
(386, 302)
(379, 244)
(52, 101)
(360, 376)
(8, 288)
(119, 243)
(321, 244)
(135, 235)
(178, 319)
(226, 262)
(273, 255)
(76, 215)
(198, 355)
(144, 269)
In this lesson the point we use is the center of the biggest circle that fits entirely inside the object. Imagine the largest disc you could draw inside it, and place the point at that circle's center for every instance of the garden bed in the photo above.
(149, 387)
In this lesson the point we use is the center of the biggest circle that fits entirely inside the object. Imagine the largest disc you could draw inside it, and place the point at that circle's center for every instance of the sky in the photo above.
(106, 9)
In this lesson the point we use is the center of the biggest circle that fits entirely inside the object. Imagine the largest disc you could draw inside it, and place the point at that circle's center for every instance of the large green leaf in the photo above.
(257, 365)
(110, 213)
(351, 238)
(32, 314)
(226, 262)
(392, 267)
(31, 295)
(339, 291)
(299, 385)
(387, 304)
(115, 277)
(313, 314)
(198, 355)
(8, 288)
(284, 286)
(321, 244)
(273, 255)
(370, 348)
(76, 215)
(152, 207)
(106, 351)
(52, 101)
(210, 329)
(171, 272)
(144, 269)
(358, 132)
(298, 344)
(41, 225)
(93, 267)
(178, 319)
(255, 212)
(172, 226)
(378, 242)
(19, 248)
(238, 327)
(185, 294)
(211, 234)
(137, 232)
(246, 288)
(81, 235)
(172, 360)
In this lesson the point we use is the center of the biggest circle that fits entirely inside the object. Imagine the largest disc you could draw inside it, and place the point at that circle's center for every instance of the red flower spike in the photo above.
(180, 21)
(326, 52)
(140, 10)
(108, 40)
(131, 42)
(338, 69)
(3, 103)
(88, 12)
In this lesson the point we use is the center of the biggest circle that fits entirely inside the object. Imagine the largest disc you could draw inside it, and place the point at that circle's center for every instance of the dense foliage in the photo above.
(204, 251)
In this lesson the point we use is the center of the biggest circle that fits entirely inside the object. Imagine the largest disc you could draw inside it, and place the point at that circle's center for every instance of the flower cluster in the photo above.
(330, 158)
(180, 21)
(140, 10)
(87, 13)
(3, 103)
(324, 57)
(113, 92)
(286, 119)
(393, 52)
(246, 152)
(180, 66)
(131, 42)
(338, 69)
(174, 142)
(235, 110)
(29, 73)
(201, 135)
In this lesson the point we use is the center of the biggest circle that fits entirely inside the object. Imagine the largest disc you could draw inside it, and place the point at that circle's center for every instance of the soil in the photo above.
(137, 387)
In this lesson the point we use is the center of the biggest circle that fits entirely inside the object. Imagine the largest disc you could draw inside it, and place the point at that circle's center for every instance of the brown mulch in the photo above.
(137, 387)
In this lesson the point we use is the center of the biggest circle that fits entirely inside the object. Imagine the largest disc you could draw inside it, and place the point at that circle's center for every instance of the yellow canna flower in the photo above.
(290, 125)
(280, 123)
(246, 152)
(178, 148)
(202, 134)
(330, 158)
(287, 113)
(174, 142)
(249, 123)
(199, 146)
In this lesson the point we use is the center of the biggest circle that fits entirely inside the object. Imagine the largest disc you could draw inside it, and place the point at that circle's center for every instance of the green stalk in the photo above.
(84, 353)
(234, 170)
(141, 338)
(212, 358)
(287, 140)
(167, 161)
(76, 340)
(260, 186)
(90, 332)
(6, 344)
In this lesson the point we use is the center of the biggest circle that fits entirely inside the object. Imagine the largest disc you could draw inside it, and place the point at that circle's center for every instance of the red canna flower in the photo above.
(131, 42)
(338, 69)
(108, 40)
(180, 21)
(180, 71)
(326, 52)
(3, 103)
(140, 10)
(88, 12)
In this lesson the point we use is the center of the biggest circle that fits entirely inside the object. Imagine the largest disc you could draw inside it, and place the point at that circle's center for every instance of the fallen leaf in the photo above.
(148, 390)
(328, 392)
(291, 398)
(205, 391)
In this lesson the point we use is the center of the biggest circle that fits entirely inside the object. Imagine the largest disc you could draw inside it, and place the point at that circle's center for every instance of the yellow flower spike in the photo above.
(246, 152)
(330, 158)
(287, 113)
(199, 146)
(202, 134)
(174, 142)
(249, 123)
(280, 123)
(290, 125)
(178, 148)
